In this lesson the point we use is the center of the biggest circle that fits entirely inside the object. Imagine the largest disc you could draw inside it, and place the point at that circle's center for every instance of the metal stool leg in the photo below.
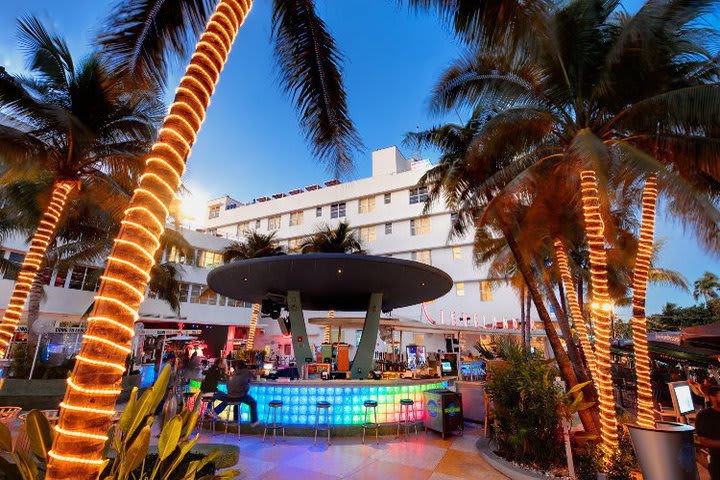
(397, 435)
(327, 417)
(364, 424)
(317, 422)
(267, 417)
(274, 425)
(415, 422)
(282, 419)
(377, 426)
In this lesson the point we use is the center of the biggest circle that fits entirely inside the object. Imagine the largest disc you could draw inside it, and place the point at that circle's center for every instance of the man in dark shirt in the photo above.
(238, 386)
(707, 426)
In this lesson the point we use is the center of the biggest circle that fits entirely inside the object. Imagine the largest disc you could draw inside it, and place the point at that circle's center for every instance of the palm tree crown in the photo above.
(706, 286)
(255, 245)
(341, 239)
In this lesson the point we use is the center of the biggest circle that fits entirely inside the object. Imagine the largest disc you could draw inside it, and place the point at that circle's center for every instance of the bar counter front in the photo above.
(299, 398)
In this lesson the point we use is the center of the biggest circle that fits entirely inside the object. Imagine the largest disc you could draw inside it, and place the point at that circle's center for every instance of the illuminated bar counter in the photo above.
(346, 396)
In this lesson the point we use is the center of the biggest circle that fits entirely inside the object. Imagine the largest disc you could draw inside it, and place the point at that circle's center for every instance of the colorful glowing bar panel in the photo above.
(347, 397)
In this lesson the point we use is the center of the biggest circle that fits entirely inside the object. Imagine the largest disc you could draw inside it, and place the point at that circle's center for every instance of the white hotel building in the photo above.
(387, 211)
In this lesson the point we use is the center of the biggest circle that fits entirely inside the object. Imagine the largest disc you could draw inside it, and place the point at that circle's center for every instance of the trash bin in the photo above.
(666, 452)
(443, 411)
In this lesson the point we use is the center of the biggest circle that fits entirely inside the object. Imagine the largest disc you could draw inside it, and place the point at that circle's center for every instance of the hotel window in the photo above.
(388, 228)
(242, 229)
(420, 226)
(367, 234)
(214, 211)
(457, 253)
(388, 198)
(418, 195)
(296, 218)
(366, 204)
(422, 256)
(257, 224)
(294, 244)
(274, 222)
(60, 277)
(337, 210)
(16, 259)
(195, 292)
(318, 211)
(184, 294)
(486, 291)
(85, 278)
(179, 256)
(460, 289)
(208, 259)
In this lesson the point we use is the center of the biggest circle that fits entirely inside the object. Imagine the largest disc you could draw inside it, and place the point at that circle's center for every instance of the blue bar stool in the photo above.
(320, 408)
(407, 407)
(368, 404)
(276, 425)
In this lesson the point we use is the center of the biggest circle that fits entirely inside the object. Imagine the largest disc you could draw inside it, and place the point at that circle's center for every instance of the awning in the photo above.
(703, 335)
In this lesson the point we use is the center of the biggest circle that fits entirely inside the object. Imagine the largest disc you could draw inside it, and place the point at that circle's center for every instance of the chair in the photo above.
(236, 419)
(322, 407)
(275, 405)
(370, 404)
(407, 407)
(8, 414)
(207, 401)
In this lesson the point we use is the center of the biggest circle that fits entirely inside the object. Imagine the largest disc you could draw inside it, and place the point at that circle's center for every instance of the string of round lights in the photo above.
(328, 328)
(575, 311)
(601, 308)
(33, 261)
(86, 412)
(645, 417)
(253, 326)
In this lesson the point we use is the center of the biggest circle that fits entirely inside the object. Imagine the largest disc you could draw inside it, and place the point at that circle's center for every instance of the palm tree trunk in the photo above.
(646, 417)
(34, 259)
(561, 357)
(522, 316)
(88, 407)
(594, 230)
(575, 310)
(528, 320)
(561, 297)
(253, 326)
(33, 303)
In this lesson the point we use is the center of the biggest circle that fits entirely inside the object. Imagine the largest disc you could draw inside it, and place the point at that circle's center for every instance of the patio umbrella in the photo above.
(703, 335)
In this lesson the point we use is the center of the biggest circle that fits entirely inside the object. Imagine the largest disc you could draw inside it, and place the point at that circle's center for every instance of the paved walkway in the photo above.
(425, 457)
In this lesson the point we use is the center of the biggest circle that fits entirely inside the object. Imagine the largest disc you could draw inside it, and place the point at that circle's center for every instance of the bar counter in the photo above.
(346, 396)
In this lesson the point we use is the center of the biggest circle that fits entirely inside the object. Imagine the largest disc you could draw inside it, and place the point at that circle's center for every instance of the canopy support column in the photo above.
(363, 361)
(301, 345)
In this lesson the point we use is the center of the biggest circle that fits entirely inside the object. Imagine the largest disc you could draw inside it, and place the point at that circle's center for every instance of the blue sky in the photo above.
(250, 144)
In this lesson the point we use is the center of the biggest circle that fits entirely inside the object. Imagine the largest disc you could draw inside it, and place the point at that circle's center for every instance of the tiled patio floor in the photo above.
(424, 457)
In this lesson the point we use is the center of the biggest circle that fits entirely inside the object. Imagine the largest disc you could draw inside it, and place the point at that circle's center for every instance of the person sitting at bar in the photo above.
(707, 426)
(238, 386)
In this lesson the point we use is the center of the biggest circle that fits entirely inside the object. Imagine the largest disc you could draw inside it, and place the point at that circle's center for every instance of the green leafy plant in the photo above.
(128, 446)
(527, 417)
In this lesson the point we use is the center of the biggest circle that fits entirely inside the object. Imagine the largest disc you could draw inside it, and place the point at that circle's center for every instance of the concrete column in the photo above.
(363, 362)
(301, 345)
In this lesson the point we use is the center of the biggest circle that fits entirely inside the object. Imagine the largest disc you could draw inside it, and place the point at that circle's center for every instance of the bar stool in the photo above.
(368, 404)
(236, 420)
(407, 406)
(207, 402)
(321, 407)
(275, 405)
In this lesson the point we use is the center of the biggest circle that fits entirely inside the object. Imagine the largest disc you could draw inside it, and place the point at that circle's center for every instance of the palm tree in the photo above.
(67, 127)
(573, 96)
(706, 286)
(255, 245)
(341, 239)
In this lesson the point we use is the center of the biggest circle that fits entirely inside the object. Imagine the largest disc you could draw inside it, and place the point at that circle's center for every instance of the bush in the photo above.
(526, 402)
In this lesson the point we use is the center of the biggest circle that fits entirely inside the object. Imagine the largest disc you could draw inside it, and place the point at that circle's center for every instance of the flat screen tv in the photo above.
(446, 367)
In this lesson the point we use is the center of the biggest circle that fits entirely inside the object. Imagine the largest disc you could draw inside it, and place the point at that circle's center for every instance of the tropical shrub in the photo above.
(526, 401)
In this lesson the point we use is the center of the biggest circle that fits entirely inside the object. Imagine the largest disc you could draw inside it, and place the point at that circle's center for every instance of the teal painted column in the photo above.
(363, 361)
(301, 345)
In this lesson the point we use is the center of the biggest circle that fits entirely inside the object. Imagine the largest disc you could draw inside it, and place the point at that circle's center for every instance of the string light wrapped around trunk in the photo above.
(253, 326)
(575, 311)
(601, 308)
(34, 259)
(93, 387)
(645, 417)
(326, 337)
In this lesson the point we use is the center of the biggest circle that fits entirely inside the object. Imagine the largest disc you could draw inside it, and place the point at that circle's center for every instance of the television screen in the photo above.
(684, 398)
(446, 367)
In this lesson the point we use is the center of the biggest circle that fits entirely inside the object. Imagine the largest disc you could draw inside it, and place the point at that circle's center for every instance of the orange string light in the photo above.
(86, 411)
(575, 312)
(33, 261)
(601, 310)
(646, 417)
(326, 336)
(253, 326)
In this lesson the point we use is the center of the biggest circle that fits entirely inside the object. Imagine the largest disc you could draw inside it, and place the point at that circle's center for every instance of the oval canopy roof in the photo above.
(331, 281)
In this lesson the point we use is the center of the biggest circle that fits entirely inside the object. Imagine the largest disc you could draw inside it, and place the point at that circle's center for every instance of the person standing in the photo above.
(238, 386)
(707, 427)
